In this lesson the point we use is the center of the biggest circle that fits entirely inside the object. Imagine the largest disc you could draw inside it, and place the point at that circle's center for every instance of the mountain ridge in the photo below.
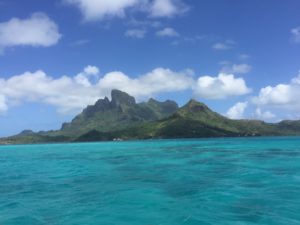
(122, 111)
(121, 118)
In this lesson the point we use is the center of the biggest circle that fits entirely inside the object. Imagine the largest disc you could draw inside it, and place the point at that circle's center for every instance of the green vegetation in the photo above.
(123, 119)
(119, 113)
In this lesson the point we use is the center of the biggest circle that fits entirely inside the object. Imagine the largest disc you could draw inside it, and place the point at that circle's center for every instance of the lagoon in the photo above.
(159, 182)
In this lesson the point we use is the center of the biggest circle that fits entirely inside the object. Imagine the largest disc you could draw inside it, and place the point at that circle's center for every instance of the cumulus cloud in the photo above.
(220, 87)
(167, 32)
(296, 34)
(85, 78)
(91, 70)
(157, 81)
(264, 115)
(71, 94)
(3, 105)
(93, 10)
(236, 68)
(37, 30)
(167, 8)
(283, 96)
(65, 93)
(237, 111)
(136, 33)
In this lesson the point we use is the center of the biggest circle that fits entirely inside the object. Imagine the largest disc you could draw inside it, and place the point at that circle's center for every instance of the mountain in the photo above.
(121, 118)
(119, 113)
(195, 120)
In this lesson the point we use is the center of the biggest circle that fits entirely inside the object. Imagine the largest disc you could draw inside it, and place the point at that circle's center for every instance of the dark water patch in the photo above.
(249, 210)
(179, 190)
(192, 221)
(283, 152)
(24, 220)
(267, 154)
(284, 171)
(116, 160)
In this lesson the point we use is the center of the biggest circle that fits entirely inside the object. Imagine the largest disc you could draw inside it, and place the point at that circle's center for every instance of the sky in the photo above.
(241, 58)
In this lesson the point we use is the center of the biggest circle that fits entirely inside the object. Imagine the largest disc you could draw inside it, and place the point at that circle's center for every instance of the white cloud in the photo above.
(267, 115)
(37, 30)
(220, 87)
(296, 80)
(167, 32)
(237, 111)
(283, 99)
(3, 105)
(85, 78)
(236, 68)
(157, 81)
(296, 34)
(91, 70)
(65, 93)
(167, 8)
(279, 95)
(228, 44)
(282, 95)
(93, 10)
(136, 33)
(71, 94)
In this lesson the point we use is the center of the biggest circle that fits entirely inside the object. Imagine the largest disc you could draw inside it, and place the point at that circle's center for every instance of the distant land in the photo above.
(121, 118)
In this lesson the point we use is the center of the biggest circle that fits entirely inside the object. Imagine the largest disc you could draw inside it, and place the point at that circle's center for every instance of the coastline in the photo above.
(153, 140)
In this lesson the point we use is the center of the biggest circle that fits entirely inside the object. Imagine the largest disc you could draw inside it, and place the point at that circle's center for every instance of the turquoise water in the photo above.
(172, 182)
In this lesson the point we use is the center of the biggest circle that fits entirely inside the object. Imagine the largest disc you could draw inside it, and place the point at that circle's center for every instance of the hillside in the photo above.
(122, 118)
(119, 113)
(195, 120)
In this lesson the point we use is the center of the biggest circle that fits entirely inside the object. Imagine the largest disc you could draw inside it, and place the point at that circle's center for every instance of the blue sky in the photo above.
(241, 58)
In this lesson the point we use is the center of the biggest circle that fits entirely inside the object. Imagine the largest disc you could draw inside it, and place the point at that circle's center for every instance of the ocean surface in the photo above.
(165, 182)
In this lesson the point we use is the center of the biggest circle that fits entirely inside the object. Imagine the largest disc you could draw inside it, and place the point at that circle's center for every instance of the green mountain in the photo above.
(195, 120)
(119, 113)
(122, 118)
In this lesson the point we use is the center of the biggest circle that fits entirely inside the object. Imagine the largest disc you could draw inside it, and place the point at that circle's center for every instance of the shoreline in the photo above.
(149, 140)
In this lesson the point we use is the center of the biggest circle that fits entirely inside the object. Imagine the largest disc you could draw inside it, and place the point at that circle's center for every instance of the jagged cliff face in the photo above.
(119, 99)
(119, 113)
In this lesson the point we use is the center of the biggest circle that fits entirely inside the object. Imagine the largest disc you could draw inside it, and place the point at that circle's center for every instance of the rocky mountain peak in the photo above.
(121, 98)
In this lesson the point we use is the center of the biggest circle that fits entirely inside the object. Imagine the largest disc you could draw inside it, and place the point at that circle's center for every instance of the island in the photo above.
(122, 118)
